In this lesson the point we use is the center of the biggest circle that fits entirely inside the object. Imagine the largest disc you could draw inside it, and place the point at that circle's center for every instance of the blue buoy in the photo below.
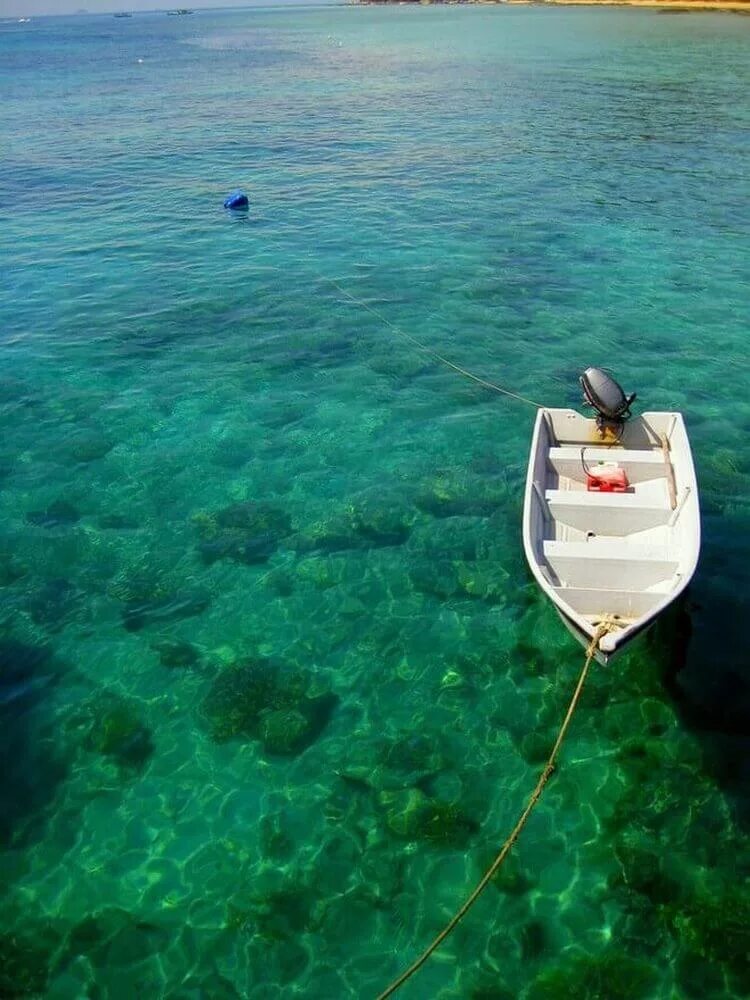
(236, 200)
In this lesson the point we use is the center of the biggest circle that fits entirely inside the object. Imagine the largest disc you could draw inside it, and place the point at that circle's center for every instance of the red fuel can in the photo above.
(606, 478)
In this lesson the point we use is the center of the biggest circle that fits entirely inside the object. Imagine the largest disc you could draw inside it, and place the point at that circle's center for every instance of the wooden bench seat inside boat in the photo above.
(639, 465)
(593, 602)
(600, 562)
(609, 513)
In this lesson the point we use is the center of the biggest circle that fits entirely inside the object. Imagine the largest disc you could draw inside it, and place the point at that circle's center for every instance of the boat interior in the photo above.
(592, 543)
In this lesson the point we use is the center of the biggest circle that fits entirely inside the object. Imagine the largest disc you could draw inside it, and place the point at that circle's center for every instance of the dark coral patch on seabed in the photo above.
(59, 514)
(176, 653)
(109, 725)
(247, 532)
(265, 699)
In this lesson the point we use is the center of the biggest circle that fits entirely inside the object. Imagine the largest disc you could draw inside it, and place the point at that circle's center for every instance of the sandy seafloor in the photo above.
(275, 679)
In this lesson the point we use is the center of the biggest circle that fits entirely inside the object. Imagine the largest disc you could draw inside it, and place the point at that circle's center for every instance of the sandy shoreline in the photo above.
(682, 5)
(678, 6)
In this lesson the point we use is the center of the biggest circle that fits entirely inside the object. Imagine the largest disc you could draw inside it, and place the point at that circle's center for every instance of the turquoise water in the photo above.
(275, 680)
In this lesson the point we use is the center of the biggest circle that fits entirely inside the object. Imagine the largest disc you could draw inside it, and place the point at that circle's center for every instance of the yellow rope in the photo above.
(428, 350)
(608, 624)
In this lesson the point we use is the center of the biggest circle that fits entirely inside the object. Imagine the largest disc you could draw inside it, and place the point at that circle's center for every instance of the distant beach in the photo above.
(670, 6)
(676, 6)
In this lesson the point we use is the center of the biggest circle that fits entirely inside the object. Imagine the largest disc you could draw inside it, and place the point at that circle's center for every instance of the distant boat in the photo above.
(24, 20)
(123, 14)
(611, 525)
(179, 12)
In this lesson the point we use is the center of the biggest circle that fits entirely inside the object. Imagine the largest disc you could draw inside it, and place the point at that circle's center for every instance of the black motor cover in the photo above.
(605, 395)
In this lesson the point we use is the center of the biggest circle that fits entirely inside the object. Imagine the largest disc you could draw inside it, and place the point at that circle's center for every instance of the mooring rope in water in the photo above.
(485, 383)
(607, 624)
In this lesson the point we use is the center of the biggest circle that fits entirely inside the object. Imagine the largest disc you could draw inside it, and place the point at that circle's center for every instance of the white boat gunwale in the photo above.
(564, 432)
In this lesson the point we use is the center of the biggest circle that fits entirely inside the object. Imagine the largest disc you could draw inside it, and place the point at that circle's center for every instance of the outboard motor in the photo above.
(604, 394)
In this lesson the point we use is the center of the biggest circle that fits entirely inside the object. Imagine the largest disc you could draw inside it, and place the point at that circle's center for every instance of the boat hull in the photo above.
(585, 640)
(622, 556)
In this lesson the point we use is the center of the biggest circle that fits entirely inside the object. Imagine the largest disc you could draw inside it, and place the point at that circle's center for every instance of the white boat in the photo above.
(611, 522)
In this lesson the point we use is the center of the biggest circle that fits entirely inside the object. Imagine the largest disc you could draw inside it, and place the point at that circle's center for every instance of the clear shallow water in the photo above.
(275, 680)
